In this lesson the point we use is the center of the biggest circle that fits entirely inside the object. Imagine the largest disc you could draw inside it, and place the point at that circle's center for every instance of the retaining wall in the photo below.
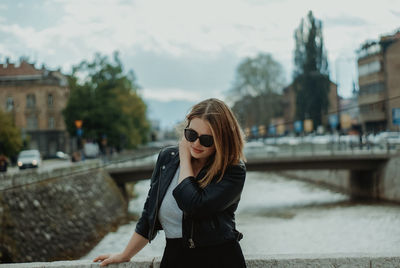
(57, 215)
(252, 261)
(388, 185)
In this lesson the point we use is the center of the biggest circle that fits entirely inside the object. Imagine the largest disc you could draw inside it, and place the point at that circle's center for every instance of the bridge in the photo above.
(365, 169)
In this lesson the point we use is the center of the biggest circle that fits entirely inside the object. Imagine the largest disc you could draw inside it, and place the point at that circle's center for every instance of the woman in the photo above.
(195, 190)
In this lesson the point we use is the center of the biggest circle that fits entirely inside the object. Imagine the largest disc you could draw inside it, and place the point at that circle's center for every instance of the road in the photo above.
(48, 165)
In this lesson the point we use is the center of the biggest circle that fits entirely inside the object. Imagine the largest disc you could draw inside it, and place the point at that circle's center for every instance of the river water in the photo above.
(282, 216)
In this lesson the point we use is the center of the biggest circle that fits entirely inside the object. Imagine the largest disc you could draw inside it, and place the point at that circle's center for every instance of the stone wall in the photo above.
(252, 261)
(388, 182)
(389, 188)
(58, 215)
(334, 179)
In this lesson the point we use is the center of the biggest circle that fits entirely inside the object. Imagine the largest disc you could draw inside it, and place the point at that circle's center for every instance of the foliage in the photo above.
(255, 90)
(10, 136)
(311, 73)
(107, 102)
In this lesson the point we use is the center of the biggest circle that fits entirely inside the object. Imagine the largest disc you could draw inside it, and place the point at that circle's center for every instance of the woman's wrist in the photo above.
(126, 256)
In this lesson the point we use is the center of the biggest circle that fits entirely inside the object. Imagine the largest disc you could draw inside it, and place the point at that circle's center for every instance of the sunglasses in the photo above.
(205, 140)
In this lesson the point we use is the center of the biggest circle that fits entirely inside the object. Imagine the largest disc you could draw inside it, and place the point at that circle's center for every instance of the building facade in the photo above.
(379, 83)
(35, 98)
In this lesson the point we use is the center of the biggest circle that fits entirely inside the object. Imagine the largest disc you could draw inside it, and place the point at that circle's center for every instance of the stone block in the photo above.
(385, 262)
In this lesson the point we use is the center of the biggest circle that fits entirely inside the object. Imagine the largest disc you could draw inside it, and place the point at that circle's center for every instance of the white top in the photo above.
(170, 215)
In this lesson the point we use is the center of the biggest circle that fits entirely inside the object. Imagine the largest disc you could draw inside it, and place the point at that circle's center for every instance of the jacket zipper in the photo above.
(155, 217)
(191, 242)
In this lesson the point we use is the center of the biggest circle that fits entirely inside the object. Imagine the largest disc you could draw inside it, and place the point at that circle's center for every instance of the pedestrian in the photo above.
(194, 193)
(3, 163)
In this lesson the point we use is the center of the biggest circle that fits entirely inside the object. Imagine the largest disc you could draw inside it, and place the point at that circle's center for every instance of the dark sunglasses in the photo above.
(205, 140)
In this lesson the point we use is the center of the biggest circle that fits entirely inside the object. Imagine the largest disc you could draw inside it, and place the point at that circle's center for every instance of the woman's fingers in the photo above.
(106, 262)
(101, 257)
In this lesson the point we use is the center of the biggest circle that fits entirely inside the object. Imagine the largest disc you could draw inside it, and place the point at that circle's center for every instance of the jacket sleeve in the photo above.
(142, 226)
(198, 202)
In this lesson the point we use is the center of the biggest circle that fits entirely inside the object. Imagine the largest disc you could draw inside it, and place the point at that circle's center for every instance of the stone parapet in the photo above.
(252, 261)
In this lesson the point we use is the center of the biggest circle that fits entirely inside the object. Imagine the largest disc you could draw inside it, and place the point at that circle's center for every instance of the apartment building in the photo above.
(379, 83)
(36, 98)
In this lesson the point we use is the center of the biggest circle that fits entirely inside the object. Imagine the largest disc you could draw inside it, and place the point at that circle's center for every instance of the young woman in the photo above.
(194, 192)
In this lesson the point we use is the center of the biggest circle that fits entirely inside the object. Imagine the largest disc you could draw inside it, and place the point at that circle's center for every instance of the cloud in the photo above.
(181, 32)
(395, 13)
(345, 20)
(169, 94)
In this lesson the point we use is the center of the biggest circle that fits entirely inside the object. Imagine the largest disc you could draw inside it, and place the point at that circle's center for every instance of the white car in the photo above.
(259, 149)
(387, 137)
(29, 159)
(62, 155)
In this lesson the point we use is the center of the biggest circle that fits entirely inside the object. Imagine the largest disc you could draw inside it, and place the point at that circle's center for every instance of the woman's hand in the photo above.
(184, 151)
(185, 158)
(111, 258)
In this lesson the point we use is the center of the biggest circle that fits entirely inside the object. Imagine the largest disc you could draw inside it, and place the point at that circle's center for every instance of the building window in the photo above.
(10, 104)
(32, 122)
(372, 88)
(50, 100)
(369, 68)
(30, 101)
(51, 123)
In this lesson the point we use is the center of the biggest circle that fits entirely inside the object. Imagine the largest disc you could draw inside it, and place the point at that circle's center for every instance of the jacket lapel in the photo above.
(168, 171)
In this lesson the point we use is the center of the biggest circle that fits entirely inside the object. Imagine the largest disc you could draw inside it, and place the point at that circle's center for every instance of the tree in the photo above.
(311, 73)
(10, 136)
(107, 102)
(256, 89)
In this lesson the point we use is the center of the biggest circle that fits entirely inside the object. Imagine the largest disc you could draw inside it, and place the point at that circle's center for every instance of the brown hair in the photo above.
(228, 137)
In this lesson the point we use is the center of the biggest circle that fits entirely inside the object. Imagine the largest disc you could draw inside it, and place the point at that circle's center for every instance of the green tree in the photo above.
(256, 90)
(107, 102)
(311, 73)
(10, 136)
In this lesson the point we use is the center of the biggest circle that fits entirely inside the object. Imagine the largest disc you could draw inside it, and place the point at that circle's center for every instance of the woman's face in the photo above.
(197, 150)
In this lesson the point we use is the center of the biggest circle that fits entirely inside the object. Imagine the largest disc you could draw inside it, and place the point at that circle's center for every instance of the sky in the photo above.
(183, 51)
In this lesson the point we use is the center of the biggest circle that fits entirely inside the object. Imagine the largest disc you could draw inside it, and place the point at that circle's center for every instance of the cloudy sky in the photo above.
(183, 51)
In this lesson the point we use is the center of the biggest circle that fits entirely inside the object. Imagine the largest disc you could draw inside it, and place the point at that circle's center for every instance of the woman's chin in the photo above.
(195, 155)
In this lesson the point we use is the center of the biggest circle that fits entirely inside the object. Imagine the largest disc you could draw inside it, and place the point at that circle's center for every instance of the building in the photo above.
(289, 110)
(379, 83)
(36, 98)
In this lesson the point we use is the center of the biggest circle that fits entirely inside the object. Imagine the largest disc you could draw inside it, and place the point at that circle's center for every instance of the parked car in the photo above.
(29, 159)
(387, 137)
(259, 149)
(62, 155)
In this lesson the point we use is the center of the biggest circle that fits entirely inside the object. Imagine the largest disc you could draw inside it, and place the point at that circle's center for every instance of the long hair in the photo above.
(228, 137)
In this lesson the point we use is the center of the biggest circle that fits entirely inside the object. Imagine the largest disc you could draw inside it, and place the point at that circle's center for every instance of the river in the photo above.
(282, 216)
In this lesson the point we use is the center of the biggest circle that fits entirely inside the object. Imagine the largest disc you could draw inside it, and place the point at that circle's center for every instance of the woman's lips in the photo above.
(197, 151)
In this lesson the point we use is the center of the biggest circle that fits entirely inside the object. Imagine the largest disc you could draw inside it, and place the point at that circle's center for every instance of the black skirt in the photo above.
(176, 255)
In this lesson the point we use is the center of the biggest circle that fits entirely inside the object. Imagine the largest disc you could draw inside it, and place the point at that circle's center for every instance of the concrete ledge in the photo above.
(253, 261)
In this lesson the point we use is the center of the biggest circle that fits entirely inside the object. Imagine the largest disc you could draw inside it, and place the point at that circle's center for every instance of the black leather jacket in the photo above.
(208, 214)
